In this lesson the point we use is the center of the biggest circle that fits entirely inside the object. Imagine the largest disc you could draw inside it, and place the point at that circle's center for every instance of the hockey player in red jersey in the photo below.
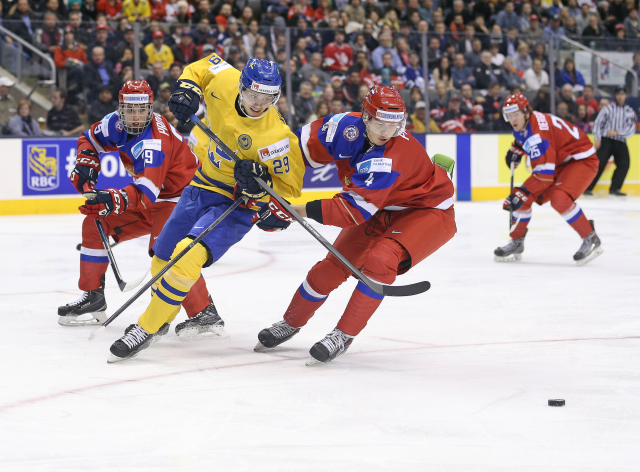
(396, 208)
(564, 163)
(161, 165)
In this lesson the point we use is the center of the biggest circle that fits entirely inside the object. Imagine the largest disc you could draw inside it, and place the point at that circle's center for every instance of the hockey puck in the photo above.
(558, 402)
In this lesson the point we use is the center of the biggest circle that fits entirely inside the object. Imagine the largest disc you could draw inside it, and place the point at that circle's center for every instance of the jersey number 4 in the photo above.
(560, 123)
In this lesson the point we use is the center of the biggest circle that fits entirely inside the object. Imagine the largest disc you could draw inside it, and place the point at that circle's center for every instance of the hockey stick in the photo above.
(124, 286)
(390, 290)
(513, 170)
(164, 270)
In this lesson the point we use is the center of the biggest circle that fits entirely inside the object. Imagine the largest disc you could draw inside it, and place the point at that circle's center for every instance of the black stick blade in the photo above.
(405, 290)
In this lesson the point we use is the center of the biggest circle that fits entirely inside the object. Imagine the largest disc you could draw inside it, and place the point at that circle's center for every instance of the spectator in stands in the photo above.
(356, 11)
(321, 110)
(314, 67)
(414, 74)
(582, 119)
(587, 99)
(99, 72)
(156, 77)
(136, 10)
(508, 18)
(203, 11)
(69, 59)
(511, 42)
(486, 72)
(351, 88)
(443, 73)
(336, 106)
(636, 68)
(453, 120)
(80, 30)
(386, 46)
(572, 76)
(101, 40)
(477, 121)
(111, 8)
(185, 51)
(161, 100)
(542, 101)
(582, 19)
(525, 16)
(22, 20)
(632, 25)
(510, 76)
(566, 96)
(175, 71)
(441, 101)
(467, 100)
(338, 55)
(534, 31)
(472, 58)
(157, 51)
(62, 118)
(570, 27)
(417, 122)
(47, 38)
(492, 107)
(460, 73)
(539, 52)
(303, 103)
(593, 28)
(283, 106)
(522, 60)
(562, 111)
(434, 53)
(127, 42)
(23, 124)
(388, 75)
(497, 58)
(104, 105)
(8, 105)
(535, 77)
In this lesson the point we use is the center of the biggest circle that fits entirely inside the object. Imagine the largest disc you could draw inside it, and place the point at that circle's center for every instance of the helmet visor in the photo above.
(256, 99)
(386, 129)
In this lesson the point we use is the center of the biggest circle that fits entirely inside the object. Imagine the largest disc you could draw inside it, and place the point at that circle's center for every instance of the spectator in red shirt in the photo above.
(185, 51)
(588, 100)
(111, 8)
(338, 56)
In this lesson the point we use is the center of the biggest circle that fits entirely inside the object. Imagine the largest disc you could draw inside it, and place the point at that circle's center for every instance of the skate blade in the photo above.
(313, 361)
(96, 319)
(260, 348)
(196, 334)
(511, 258)
(596, 252)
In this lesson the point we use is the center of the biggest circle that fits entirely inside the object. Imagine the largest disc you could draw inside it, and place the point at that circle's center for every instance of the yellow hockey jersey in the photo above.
(267, 140)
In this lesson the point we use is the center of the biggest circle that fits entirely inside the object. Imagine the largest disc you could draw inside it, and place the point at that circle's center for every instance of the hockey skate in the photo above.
(590, 248)
(89, 309)
(128, 346)
(279, 333)
(155, 337)
(333, 344)
(205, 325)
(511, 252)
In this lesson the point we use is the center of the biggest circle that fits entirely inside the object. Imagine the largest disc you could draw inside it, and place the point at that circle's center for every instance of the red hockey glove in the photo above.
(518, 197)
(272, 217)
(514, 154)
(105, 202)
(86, 171)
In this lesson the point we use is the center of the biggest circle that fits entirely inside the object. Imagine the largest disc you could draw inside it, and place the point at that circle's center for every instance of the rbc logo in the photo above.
(42, 167)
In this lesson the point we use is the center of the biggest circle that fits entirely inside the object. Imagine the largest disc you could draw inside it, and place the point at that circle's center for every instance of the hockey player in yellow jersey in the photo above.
(240, 110)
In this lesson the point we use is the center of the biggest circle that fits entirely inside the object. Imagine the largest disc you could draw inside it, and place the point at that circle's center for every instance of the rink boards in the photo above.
(34, 178)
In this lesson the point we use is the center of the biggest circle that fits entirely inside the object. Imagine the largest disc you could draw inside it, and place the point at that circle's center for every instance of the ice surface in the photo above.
(456, 379)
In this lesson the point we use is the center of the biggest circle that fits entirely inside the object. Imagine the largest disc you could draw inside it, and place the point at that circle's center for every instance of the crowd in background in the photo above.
(477, 53)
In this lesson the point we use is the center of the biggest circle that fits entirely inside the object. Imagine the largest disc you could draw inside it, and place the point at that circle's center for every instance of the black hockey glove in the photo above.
(85, 174)
(518, 197)
(514, 154)
(185, 101)
(105, 202)
(244, 172)
(272, 217)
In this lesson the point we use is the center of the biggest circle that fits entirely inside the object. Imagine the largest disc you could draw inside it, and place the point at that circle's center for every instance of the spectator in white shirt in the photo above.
(535, 77)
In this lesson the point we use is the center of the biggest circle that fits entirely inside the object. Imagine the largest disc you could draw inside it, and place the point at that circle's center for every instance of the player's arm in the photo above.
(514, 154)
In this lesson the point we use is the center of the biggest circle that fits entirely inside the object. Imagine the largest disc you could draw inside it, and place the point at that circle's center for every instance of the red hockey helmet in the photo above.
(515, 102)
(136, 106)
(384, 111)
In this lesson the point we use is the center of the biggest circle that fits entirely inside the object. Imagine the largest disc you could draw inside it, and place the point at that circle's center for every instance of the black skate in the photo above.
(274, 336)
(128, 346)
(333, 344)
(205, 325)
(90, 309)
(155, 337)
(511, 252)
(590, 249)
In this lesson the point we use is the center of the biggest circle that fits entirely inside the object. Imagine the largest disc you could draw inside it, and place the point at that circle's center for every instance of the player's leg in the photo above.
(621, 159)
(513, 250)
(324, 277)
(91, 307)
(402, 246)
(572, 180)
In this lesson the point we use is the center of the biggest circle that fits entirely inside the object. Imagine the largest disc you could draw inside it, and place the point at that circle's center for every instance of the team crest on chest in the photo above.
(351, 133)
(347, 180)
(119, 126)
(244, 141)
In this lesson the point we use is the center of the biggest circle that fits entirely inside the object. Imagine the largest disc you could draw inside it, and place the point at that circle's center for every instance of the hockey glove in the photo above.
(518, 197)
(244, 172)
(85, 174)
(514, 154)
(185, 101)
(272, 217)
(105, 202)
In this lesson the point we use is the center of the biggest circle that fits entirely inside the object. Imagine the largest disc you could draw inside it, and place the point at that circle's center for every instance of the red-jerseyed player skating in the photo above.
(161, 165)
(396, 208)
(564, 163)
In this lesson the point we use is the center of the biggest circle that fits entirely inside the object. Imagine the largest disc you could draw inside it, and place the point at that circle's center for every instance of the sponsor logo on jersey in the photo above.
(377, 164)
(281, 148)
(351, 133)
(244, 141)
(43, 168)
(389, 116)
(332, 126)
(135, 98)
(146, 145)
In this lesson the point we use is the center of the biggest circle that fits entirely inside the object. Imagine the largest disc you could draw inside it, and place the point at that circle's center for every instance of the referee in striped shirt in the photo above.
(615, 123)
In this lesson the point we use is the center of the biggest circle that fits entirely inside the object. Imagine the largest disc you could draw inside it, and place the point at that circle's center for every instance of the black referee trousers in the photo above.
(620, 153)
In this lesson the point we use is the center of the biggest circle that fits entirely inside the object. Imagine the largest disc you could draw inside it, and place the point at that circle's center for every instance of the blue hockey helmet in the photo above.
(261, 76)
